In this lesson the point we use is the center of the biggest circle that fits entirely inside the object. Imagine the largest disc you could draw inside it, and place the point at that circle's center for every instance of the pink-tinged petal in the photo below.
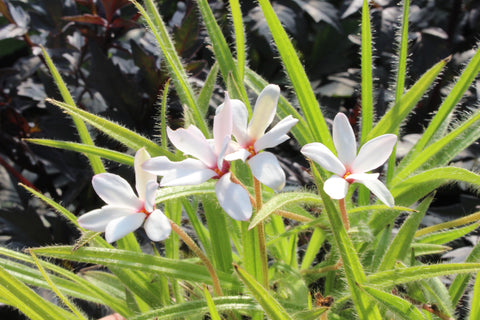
(336, 187)
(374, 153)
(380, 190)
(276, 135)
(241, 154)
(264, 112)
(222, 125)
(266, 168)
(97, 220)
(344, 139)
(160, 166)
(115, 190)
(191, 141)
(150, 193)
(324, 157)
(120, 227)
(363, 176)
(141, 176)
(223, 150)
(233, 198)
(157, 226)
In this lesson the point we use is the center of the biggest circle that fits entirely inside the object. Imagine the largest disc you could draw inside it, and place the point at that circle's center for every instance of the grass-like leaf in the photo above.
(281, 200)
(86, 149)
(174, 64)
(475, 304)
(402, 308)
(207, 90)
(392, 120)
(177, 269)
(272, 307)
(448, 235)
(459, 284)
(405, 275)
(169, 193)
(367, 79)
(95, 162)
(239, 36)
(306, 97)
(127, 137)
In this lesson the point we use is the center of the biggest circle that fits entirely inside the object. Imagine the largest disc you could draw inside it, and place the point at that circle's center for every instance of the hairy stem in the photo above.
(343, 211)
(191, 244)
(261, 233)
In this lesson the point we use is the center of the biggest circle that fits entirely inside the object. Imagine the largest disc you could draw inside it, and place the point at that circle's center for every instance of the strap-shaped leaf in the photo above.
(402, 308)
(446, 236)
(272, 307)
(306, 97)
(86, 149)
(475, 305)
(367, 79)
(459, 284)
(125, 136)
(239, 36)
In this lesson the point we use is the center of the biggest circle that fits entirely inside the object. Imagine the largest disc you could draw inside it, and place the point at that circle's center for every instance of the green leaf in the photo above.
(86, 149)
(395, 304)
(367, 80)
(413, 188)
(239, 36)
(174, 64)
(222, 53)
(459, 284)
(169, 193)
(392, 120)
(127, 137)
(421, 249)
(211, 305)
(298, 77)
(475, 304)
(281, 200)
(272, 307)
(190, 309)
(353, 268)
(400, 245)
(82, 130)
(207, 90)
(18, 295)
(403, 53)
(445, 110)
(310, 314)
(163, 116)
(400, 276)
(177, 269)
(314, 244)
(447, 235)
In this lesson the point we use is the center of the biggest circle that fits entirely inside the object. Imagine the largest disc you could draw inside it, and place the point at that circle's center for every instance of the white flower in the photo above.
(125, 212)
(350, 167)
(253, 139)
(209, 163)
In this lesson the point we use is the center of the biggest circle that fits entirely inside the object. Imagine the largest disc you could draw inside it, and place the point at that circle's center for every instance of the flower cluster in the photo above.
(125, 211)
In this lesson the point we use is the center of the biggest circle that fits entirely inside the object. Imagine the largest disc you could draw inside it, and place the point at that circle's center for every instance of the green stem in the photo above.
(261, 233)
(343, 211)
(191, 244)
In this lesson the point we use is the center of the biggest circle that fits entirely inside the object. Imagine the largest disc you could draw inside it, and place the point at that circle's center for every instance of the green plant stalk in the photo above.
(55, 289)
(474, 217)
(95, 162)
(261, 233)
(191, 244)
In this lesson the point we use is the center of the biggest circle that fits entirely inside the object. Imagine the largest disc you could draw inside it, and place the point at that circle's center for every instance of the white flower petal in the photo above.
(115, 190)
(241, 154)
(276, 135)
(363, 176)
(344, 139)
(264, 111)
(97, 220)
(191, 141)
(374, 153)
(157, 226)
(266, 168)
(222, 125)
(324, 157)
(120, 227)
(141, 176)
(221, 154)
(233, 198)
(336, 187)
(240, 119)
(380, 190)
(187, 177)
(150, 193)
